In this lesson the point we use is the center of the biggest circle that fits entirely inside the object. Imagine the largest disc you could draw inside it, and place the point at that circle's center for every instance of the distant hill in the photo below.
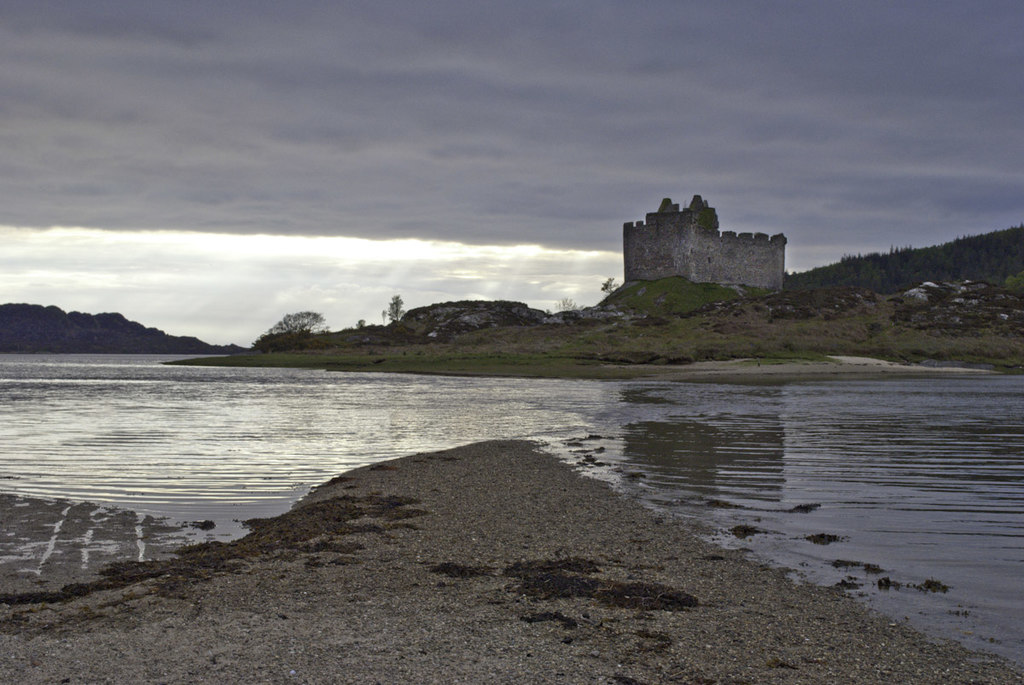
(990, 257)
(35, 328)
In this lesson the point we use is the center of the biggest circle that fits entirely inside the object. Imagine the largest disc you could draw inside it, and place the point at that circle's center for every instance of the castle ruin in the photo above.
(687, 243)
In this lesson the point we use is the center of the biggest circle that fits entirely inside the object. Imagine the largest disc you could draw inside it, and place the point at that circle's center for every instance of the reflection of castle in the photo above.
(674, 242)
(744, 460)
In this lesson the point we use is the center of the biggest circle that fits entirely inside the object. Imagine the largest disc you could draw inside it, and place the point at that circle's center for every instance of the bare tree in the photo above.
(566, 304)
(395, 309)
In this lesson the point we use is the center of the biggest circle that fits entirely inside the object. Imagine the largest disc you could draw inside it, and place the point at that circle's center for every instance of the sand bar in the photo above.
(838, 367)
(491, 563)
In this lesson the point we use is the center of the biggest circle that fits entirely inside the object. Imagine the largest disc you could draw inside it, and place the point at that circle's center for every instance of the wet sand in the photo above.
(489, 563)
(47, 543)
(839, 367)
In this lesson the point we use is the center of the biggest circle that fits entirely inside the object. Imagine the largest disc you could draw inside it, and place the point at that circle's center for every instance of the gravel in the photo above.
(489, 563)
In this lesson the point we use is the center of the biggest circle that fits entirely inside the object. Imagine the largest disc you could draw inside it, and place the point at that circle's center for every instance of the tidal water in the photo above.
(913, 479)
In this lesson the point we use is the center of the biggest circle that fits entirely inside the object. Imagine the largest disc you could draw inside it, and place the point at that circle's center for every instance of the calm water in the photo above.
(223, 444)
(923, 478)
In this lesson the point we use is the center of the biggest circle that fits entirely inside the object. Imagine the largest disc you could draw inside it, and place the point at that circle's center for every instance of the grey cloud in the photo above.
(525, 122)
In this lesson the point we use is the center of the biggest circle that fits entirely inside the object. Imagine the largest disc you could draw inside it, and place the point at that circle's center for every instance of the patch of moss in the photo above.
(707, 218)
(670, 296)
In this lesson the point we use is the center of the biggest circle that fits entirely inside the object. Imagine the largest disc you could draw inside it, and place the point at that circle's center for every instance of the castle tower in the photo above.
(687, 243)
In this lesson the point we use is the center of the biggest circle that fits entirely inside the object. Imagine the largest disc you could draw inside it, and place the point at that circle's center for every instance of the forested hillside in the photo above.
(991, 257)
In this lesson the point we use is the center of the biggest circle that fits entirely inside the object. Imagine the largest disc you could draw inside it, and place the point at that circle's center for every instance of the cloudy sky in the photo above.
(207, 167)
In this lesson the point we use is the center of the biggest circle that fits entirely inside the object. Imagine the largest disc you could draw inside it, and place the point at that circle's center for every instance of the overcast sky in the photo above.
(206, 167)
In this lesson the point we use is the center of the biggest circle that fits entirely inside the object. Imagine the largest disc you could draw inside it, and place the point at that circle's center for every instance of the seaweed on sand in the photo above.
(565, 578)
(455, 570)
(931, 585)
(743, 531)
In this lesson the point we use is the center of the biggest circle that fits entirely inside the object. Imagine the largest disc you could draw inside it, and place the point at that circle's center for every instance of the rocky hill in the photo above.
(35, 328)
(446, 320)
(962, 308)
(966, 324)
(966, 308)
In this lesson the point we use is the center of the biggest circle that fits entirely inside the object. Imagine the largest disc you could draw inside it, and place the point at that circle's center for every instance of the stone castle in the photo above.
(687, 243)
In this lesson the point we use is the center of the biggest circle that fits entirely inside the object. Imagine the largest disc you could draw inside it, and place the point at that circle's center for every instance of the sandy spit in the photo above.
(491, 563)
(838, 367)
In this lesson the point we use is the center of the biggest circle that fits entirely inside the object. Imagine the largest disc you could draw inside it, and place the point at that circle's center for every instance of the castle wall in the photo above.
(673, 244)
(649, 250)
(730, 259)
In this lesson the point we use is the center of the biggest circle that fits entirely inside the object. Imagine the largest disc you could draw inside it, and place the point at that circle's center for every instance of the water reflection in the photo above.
(922, 478)
(709, 459)
(713, 445)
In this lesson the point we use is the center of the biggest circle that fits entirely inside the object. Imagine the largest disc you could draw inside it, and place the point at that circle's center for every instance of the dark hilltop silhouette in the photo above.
(35, 328)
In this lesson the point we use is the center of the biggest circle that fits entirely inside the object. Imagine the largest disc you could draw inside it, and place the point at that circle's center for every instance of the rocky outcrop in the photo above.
(967, 306)
(800, 304)
(35, 328)
(446, 320)
(601, 312)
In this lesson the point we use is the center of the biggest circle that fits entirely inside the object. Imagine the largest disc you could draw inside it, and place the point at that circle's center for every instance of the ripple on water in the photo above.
(920, 477)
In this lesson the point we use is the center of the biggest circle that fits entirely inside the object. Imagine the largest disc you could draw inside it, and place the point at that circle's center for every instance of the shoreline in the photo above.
(745, 370)
(50, 542)
(840, 367)
(492, 562)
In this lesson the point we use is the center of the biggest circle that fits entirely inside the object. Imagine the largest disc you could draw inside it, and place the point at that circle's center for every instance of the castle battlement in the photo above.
(687, 242)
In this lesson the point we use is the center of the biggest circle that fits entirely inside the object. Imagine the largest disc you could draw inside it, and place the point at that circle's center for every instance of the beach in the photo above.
(836, 367)
(493, 562)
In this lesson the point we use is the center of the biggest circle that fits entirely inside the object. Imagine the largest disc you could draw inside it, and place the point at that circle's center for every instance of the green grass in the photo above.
(510, 365)
(672, 335)
(673, 296)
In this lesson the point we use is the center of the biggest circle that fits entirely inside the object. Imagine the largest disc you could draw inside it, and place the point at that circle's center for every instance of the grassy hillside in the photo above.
(976, 324)
(674, 296)
(991, 257)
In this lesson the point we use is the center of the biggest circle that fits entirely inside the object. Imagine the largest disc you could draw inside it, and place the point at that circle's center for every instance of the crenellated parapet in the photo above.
(687, 242)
